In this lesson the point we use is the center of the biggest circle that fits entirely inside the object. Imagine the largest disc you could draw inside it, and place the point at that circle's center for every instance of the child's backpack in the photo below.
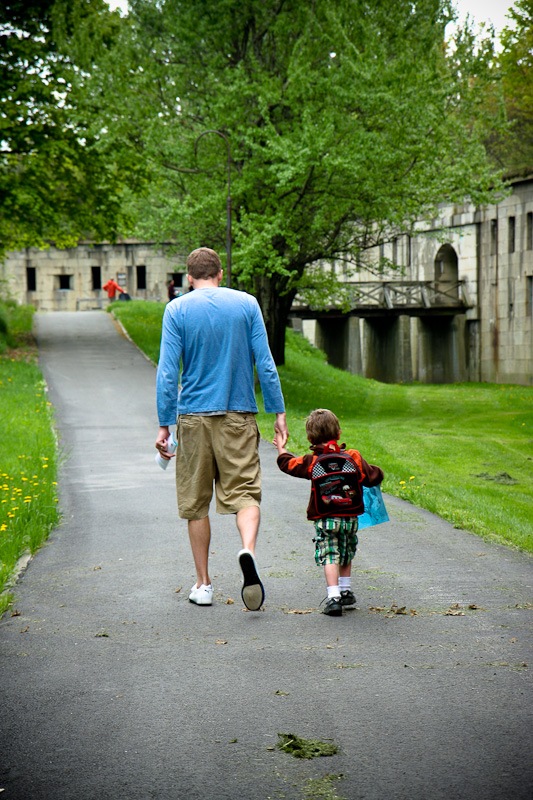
(336, 484)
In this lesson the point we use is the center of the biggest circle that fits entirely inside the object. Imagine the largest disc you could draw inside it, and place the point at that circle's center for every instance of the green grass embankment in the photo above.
(461, 451)
(28, 450)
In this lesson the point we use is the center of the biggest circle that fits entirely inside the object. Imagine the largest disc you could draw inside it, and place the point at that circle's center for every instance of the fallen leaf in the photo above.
(413, 612)
(96, 568)
(230, 601)
(453, 611)
(26, 629)
(475, 607)
(221, 641)
(300, 611)
(280, 693)
(178, 590)
(14, 613)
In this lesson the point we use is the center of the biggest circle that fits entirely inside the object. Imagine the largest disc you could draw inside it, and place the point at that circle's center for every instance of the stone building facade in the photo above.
(486, 255)
(72, 280)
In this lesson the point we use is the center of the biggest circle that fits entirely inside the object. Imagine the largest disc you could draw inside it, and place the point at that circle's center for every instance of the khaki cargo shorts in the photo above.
(220, 450)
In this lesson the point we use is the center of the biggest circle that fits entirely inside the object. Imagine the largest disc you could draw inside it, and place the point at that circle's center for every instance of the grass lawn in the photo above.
(28, 452)
(461, 451)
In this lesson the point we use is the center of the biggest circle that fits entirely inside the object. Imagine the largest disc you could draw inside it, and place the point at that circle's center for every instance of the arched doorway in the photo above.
(446, 274)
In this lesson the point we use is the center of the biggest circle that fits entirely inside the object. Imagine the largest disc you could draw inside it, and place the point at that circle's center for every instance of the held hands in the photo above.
(281, 433)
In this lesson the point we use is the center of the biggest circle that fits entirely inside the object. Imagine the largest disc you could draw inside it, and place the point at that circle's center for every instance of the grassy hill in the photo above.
(461, 451)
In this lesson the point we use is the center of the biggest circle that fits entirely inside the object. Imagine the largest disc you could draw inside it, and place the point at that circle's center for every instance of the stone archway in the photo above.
(446, 272)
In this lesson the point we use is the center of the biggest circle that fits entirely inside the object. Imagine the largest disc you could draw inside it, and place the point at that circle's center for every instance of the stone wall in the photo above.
(71, 280)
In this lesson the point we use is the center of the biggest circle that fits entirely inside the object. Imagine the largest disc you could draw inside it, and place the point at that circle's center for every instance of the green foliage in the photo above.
(56, 183)
(15, 324)
(346, 121)
(513, 147)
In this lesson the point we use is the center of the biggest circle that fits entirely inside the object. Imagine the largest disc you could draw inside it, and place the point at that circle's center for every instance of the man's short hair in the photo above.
(203, 263)
(322, 426)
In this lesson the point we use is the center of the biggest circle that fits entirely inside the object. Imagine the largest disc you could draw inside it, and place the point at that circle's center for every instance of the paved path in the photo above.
(114, 686)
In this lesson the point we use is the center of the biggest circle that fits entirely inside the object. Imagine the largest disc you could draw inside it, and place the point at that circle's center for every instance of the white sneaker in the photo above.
(201, 595)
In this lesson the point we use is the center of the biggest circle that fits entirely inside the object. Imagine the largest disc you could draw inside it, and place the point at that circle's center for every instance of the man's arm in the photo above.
(281, 432)
(167, 377)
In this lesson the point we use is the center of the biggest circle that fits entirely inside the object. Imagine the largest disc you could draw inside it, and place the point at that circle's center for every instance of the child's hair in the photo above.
(322, 426)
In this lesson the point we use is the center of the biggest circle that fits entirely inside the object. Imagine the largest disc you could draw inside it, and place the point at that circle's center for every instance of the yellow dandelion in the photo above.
(3, 527)
(402, 483)
(412, 478)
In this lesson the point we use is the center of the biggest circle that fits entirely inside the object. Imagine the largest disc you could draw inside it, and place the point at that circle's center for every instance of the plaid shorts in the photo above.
(336, 540)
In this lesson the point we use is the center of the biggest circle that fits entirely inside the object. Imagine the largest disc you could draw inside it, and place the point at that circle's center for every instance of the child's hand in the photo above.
(277, 442)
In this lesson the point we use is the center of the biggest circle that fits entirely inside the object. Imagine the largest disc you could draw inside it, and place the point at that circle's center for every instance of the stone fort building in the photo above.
(458, 307)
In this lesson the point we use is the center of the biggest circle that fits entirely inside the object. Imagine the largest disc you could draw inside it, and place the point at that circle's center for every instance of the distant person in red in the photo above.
(112, 287)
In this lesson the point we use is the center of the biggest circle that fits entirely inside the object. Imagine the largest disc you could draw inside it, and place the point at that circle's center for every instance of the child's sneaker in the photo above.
(347, 598)
(252, 592)
(201, 595)
(333, 607)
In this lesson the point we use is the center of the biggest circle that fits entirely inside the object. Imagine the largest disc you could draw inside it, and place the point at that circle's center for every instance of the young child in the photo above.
(336, 536)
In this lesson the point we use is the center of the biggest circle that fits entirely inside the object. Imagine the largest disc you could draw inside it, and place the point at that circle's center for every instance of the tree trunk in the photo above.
(275, 307)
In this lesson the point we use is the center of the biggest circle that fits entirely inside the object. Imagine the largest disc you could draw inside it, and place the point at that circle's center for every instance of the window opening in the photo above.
(96, 277)
(31, 279)
(141, 278)
(512, 233)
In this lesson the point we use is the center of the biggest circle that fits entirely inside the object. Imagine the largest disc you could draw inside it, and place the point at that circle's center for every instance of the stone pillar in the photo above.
(387, 349)
(353, 354)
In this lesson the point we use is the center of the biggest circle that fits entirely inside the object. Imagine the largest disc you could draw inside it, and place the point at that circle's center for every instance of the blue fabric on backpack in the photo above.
(375, 511)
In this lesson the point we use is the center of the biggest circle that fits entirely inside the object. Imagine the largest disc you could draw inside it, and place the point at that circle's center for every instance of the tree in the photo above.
(346, 121)
(513, 148)
(55, 184)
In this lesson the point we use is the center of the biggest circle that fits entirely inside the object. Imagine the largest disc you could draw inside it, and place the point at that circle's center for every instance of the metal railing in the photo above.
(399, 294)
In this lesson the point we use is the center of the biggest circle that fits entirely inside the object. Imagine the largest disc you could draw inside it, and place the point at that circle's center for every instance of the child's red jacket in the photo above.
(302, 467)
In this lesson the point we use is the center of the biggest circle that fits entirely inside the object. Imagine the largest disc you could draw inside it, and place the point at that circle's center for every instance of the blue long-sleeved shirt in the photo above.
(218, 335)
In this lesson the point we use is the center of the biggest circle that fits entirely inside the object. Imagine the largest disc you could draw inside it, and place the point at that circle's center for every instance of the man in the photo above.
(112, 287)
(218, 335)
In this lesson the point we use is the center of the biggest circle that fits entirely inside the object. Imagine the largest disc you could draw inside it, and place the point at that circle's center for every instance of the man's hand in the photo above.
(161, 442)
(281, 432)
